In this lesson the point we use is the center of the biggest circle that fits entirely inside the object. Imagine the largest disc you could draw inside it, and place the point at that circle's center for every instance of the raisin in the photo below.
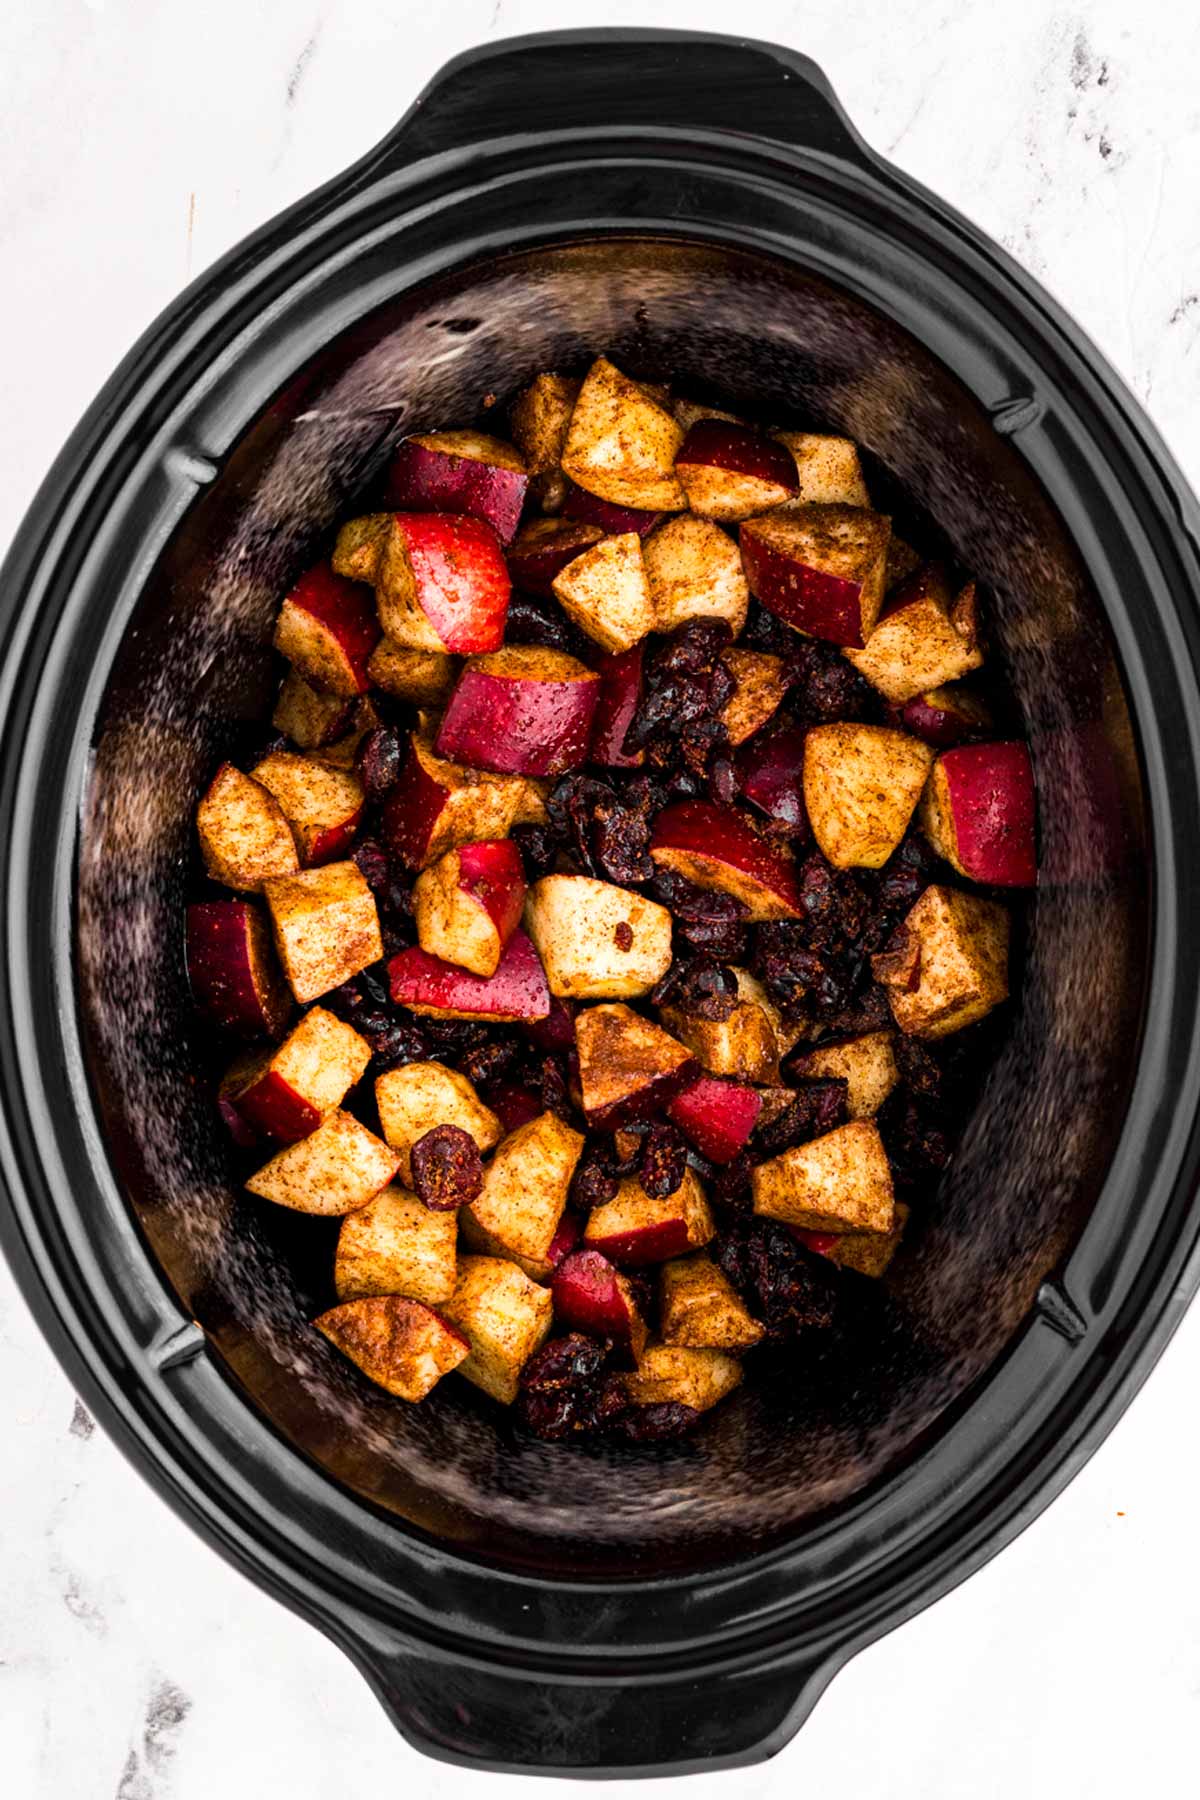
(819, 1106)
(378, 761)
(594, 1182)
(623, 935)
(652, 1424)
(663, 1161)
(371, 859)
(488, 1062)
(786, 1287)
(447, 1170)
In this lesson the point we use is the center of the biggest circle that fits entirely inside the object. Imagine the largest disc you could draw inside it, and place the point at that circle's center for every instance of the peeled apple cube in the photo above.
(761, 684)
(925, 637)
(399, 1344)
(828, 471)
(686, 1376)
(866, 1063)
(326, 926)
(244, 837)
(505, 1317)
(861, 787)
(540, 420)
(621, 444)
(699, 1308)
(606, 592)
(525, 1187)
(839, 1182)
(422, 677)
(948, 963)
(308, 715)
(597, 941)
(418, 1096)
(695, 572)
(628, 1067)
(396, 1245)
(339, 1166)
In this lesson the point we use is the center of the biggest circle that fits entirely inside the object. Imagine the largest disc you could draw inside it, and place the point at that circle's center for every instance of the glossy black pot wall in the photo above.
(698, 207)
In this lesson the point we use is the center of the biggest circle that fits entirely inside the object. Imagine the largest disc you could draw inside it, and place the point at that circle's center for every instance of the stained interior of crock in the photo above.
(197, 665)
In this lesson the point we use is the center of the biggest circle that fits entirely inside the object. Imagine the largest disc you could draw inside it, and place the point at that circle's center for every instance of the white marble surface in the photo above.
(140, 138)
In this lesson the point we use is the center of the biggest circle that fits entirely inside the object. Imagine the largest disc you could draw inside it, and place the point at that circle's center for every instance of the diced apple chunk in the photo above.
(978, 813)
(827, 469)
(440, 580)
(244, 837)
(339, 1166)
(700, 1308)
(730, 472)
(761, 686)
(948, 964)
(516, 992)
(327, 629)
(718, 1116)
(540, 420)
(395, 1245)
(422, 677)
(504, 1316)
(399, 1344)
(925, 637)
(679, 1373)
(418, 1096)
(359, 547)
(308, 715)
(597, 941)
(839, 1182)
(717, 847)
(322, 805)
(695, 572)
(234, 977)
(861, 787)
(468, 904)
(462, 472)
(605, 591)
(628, 1067)
(591, 1295)
(621, 444)
(866, 1252)
(438, 805)
(525, 1189)
(745, 1045)
(326, 926)
(309, 1073)
(945, 716)
(635, 1229)
(523, 710)
(819, 568)
(866, 1063)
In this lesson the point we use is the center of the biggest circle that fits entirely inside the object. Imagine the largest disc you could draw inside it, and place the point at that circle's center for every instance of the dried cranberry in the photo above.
(488, 1062)
(562, 1387)
(550, 1413)
(447, 1170)
(539, 849)
(819, 1106)
(529, 621)
(730, 1184)
(826, 686)
(621, 846)
(400, 1043)
(594, 1182)
(706, 990)
(563, 1361)
(653, 1424)
(787, 1288)
(372, 861)
(663, 1161)
(870, 1010)
(919, 1069)
(378, 761)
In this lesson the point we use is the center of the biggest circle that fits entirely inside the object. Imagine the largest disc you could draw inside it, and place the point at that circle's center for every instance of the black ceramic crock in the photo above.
(700, 208)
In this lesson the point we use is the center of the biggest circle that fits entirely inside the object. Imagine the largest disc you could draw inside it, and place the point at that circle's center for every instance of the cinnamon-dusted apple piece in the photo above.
(978, 813)
(359, 547)
(504, 1316)
(947, 964)
(525, 1187)
(925, 637)
(597, 941)
(745, 1044)
(440, 578)
(308, 715)
(422, 677)
(395, 1245)
(945, 716)
(717, 847)
(322, 805)
(861, 787)
(718, 1116)
(683, 1375)
(700, 1308)
(591, 1295)
(438, 805)
(628, 1067)
(582, 508)
(468, 904)
(244, 837)
(866, 1252)
(839, 1182)
(621, 444)
(339, 1166)
(695, 572)
(866, 1063)
(540, 420)
(464, 472)
(399, 1344)
(761, 684)
(418, 1096)
(606, 592)
(326, 926)
(730, 472)
(523, 710)
(617, 705)
(291, 1089)
(828, 471)
(327, 629)
(234, 977)
(771, 772)
(517, 992)
(819, 568)
(635, 1229)
(542, 550)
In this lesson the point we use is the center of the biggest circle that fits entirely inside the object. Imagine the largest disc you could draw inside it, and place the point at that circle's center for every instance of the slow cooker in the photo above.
(697, 207)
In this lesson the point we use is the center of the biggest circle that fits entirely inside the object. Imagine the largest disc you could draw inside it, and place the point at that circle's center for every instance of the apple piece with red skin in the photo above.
(760, 683)
(819, 569)
(944, 716)
(323, 805)
(635, 1229)
(401, 1345)
(540, 420)
(514, 1105)
(619, 698)
(717, 848)
(557, 1030)
(308, 715)
(583, 508)
(468, 904)
(717, 1116)
(441, 582)
(240, 1131)
(515, 994)
(523, 710)
(543, 549)
(464, 472)
(438, 805)
(771, 770)
(422, 677)
(591, 1295)
(287, 1092)
(231, 965)
(730, 472)
(866, 1252)
(566, 1238)
(327, 629)
(978, 813)
(628, 1067)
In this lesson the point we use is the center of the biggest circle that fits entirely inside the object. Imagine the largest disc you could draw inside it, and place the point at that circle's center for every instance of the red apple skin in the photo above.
(517, 991)
(515, 1106)
(271, 1107)
(824, 606)
(819, 1242)
(587, 1296)
(544, 551)
(991, 798)
(613, 521)
(461, 577)
(718, 1116)
(619, 698)
(570, 1230)
(646, 1103)
(411, 812)
(722, 836)
(648, 1244)
(422, 479)
(557, 1030)
(494, 876)
(231, 968)
(242, 1133)
(720, 444)
(334, 845)
(346, 611)
(944, 726)
(771, 766)
(518, 726)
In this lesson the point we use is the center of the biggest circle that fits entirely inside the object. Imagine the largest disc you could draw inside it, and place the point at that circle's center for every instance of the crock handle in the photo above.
(500, 1718)
(580, 81)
